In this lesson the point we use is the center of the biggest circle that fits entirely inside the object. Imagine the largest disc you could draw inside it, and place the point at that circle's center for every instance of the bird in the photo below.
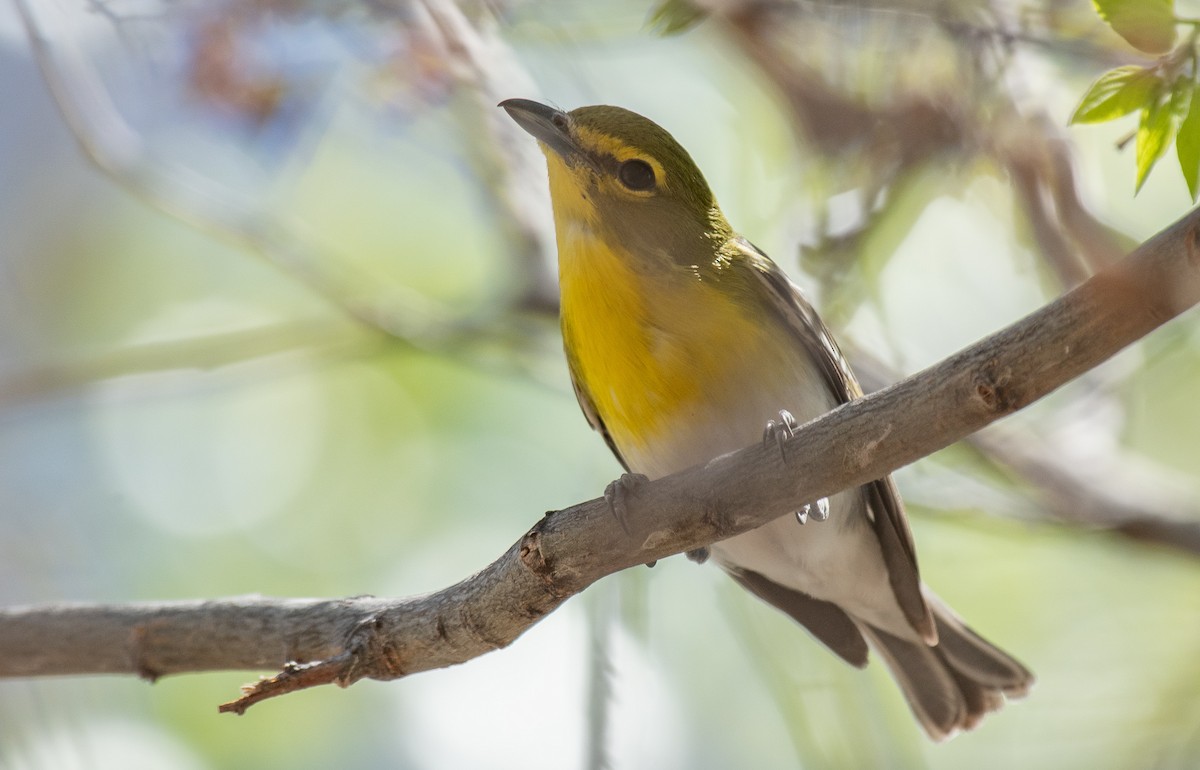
(684, 342)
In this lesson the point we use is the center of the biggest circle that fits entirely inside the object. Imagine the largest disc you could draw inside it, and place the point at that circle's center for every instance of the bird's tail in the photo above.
(953, 685)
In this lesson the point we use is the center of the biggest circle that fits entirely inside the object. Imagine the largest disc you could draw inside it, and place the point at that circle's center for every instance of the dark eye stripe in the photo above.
(637, 175)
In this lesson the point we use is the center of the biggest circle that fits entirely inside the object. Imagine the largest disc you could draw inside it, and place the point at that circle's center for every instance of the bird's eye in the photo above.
(636, 175)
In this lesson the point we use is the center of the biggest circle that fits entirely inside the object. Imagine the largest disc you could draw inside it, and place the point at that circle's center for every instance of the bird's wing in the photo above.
(883, 499)
(589, 410)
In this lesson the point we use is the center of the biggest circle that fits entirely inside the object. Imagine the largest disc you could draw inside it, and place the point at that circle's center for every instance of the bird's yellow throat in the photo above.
(649, 347)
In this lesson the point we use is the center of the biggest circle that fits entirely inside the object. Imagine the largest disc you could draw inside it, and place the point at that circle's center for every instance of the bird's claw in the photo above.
(615, 495)
(819, 511)
(780, 431)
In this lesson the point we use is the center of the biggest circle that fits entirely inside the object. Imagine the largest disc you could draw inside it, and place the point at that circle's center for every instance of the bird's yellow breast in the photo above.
(651, 350)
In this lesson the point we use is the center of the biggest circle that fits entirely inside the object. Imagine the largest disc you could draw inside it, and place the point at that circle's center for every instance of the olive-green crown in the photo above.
(640, 132)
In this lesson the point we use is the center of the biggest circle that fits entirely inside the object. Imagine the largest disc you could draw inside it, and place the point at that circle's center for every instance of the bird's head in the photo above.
(623, 177)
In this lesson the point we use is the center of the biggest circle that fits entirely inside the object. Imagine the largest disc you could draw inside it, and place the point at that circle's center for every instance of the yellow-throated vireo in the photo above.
(683, 341)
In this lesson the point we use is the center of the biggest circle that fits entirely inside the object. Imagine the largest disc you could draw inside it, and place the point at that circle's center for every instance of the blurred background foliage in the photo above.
(277, 316)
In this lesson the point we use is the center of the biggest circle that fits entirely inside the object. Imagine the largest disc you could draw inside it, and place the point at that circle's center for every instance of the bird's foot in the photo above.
(818, 511)
(779, 432)
(615, 495)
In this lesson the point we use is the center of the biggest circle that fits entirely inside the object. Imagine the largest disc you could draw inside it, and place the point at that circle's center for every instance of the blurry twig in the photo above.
(506, 160)
(602, 626)
(193, 353)
(891, 137)
(1106, 492)
(1090, 487)
(481, 64)
(118, 151)
(1072, 241)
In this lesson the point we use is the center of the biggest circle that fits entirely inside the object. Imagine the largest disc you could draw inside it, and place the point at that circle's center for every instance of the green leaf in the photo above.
(674, 17)
(1187, 145)
(1148, 25)
(1118, 92)
(1155, 130)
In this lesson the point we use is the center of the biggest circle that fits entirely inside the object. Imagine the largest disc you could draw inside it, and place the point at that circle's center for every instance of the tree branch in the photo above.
(341, 641)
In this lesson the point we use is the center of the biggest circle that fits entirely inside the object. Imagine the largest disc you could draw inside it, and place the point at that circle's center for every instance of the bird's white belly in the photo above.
(837, 560)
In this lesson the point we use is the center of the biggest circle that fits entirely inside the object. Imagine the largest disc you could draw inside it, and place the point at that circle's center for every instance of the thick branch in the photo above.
(342, 641)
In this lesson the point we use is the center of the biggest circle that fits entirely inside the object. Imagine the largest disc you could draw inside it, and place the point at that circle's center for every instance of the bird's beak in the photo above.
(549, 126)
